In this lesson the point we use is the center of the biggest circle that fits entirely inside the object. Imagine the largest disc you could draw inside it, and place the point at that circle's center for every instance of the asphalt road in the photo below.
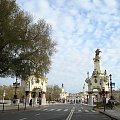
(56, 112)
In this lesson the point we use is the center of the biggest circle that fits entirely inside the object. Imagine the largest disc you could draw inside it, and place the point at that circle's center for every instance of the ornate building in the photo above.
(35, 89)
(98, 83)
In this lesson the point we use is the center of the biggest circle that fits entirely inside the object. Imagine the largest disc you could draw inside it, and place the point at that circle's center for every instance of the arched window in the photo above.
(95, 80)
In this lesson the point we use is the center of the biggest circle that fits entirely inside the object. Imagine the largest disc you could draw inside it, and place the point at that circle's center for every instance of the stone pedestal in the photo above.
(43, 99)
(65, 101)
(99, 98)
(90, 100)
(30, 97)
(35, 100)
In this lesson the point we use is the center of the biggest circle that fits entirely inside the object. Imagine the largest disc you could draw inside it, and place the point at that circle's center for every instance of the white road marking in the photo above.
(51, 109)
(79, 110)
(86, 111)
(70, 114)
(45, 109)
(23, 119)
(58, 109)
(66, 110)
(38, 109)
(38, 114)
(93, 111)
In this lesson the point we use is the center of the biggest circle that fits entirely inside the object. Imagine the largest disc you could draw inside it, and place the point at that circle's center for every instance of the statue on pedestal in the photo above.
(98, 81)
(97, 52)
(97, 55)
(62, 85)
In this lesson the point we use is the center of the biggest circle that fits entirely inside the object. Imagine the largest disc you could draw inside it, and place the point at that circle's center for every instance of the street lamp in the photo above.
(112, 85)
(84, 93)
(104, 98)
(16, 85)
(3, 99)
(40, 95)
(26, 94)
(3, 95)
(49, 97)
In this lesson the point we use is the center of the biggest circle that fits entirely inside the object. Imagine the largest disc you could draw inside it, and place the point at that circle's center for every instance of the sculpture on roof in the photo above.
(97, 57)
(97, 52)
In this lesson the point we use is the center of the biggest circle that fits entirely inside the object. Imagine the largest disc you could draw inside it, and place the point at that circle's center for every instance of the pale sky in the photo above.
(79, 27)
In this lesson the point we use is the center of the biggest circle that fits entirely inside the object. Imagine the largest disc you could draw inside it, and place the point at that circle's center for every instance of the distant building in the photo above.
(74, 98)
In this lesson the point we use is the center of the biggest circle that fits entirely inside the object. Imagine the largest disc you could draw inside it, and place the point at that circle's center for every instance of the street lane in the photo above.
(56, 112)
(85, 112)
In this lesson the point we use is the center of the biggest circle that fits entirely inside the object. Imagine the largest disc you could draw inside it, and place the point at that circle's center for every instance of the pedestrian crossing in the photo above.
(52, 110)
(65, 110)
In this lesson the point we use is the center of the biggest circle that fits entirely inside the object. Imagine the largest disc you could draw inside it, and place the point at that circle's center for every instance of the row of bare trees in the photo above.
(52, 92)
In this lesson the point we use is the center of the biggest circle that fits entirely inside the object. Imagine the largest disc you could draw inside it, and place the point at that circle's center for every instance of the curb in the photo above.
(113, 117)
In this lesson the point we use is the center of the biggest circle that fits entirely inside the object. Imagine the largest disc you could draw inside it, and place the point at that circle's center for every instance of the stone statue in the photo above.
(97, 55)
(97, 52)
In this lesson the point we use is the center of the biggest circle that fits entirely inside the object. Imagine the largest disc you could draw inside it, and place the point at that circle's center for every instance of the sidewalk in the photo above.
(21, 107)
(13, 108)
(115, 113)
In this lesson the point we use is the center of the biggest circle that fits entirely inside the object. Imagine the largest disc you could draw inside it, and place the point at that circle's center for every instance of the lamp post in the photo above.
(49, 97)
(26, 94)
(84, 93)
(104, 99)
(3, 95)
(3, 99)
(16, 85)
(112, 85)
(40, 95)
(34, 96)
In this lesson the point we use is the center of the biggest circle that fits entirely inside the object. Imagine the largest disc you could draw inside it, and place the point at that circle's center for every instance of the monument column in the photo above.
(43, 99)
(30, 96)
(97, 61)
(99, 97)
(90, 100)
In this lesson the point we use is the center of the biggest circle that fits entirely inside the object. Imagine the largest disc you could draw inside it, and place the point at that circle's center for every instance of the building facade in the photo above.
(74, 98)
(35, 89)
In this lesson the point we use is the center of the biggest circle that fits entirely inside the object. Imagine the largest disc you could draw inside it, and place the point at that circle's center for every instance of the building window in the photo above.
(95, 80)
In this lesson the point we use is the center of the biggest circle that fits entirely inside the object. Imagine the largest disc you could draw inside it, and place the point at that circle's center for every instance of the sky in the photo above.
(79, 27)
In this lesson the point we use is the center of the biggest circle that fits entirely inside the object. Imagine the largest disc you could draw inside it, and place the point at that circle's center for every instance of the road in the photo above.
(56, 112)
